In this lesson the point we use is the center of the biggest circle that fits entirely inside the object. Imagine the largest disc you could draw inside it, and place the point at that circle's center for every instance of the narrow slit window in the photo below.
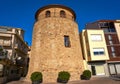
(67, 41)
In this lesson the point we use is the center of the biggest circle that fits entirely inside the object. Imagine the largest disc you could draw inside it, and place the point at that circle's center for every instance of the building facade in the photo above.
(95, 51)
(55, 44)
(14, 63)
(117, 27)
(111, 30)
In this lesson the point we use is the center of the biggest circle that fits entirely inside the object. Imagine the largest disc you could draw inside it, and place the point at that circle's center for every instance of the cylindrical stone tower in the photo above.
(55, 43)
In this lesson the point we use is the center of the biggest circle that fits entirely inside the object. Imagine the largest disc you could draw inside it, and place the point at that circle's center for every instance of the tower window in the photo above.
(47, 14)
(66, 41)
(62, 14)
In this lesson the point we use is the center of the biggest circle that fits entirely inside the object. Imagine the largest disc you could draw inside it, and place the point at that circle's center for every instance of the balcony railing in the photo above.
(5, 43)
(3, 57)
(5, 29)
(21, 48)
(3, 54)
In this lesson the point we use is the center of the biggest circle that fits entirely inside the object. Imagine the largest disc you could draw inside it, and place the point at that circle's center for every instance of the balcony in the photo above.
(20, 61)
(3, 54)
(5, 29)
(5, 43)
(3, 57)
(20, 48)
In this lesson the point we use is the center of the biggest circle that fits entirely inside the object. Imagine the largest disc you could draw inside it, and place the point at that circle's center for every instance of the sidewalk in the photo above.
(93, 80)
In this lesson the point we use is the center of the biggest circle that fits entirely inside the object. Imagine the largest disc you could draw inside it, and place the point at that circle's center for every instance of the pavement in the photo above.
(93, 80)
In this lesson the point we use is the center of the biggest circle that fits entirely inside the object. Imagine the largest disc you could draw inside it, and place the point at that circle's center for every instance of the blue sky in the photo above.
(20, 13)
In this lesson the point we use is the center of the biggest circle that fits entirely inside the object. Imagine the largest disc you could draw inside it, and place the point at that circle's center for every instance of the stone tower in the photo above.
(55, 43)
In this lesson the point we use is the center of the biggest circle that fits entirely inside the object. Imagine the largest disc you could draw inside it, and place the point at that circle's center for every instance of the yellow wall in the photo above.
(100, 70)
(84, 45)
(94, 44)
(85, 64)
(48, 52)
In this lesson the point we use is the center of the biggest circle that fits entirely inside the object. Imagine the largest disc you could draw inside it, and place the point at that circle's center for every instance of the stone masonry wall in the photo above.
(48, 53)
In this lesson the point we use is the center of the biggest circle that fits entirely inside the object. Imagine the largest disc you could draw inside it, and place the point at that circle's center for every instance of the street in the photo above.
(93, 80)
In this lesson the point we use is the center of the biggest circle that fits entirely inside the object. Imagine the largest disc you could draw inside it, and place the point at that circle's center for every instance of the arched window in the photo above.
(47, 14)
(62, 14)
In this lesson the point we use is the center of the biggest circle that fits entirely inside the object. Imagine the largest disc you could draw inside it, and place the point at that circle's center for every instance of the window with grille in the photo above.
(67, 41)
